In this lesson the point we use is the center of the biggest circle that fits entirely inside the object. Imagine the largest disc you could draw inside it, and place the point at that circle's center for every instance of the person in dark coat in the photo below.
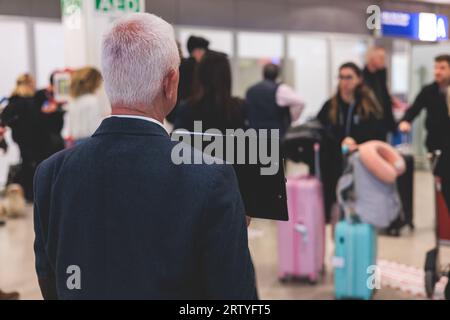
(435, 99)
(22, 116)
(36, 122)
(116, 217)
(271, 104)
(52, 117)
(197, 47)
(211, 101)
(375, 77)
(352, 116)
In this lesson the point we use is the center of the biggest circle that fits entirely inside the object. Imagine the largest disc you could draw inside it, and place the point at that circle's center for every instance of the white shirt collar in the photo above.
(139, 117)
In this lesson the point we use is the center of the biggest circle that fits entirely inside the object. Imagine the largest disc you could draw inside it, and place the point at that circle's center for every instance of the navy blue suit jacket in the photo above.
(137, 225)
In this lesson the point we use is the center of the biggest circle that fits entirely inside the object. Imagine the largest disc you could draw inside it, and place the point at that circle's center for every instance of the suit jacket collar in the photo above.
(116, 125)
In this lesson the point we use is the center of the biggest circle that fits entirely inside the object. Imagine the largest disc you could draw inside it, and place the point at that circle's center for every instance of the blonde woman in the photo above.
(84, 111)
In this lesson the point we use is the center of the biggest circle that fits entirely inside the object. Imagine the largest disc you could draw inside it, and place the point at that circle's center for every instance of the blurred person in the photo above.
(197, 47)
(375, 77)
(51, 117)
(211, 101)
(117, 206)
(18, 115)
(352, 116)
(434, 98)
(22, 116)
(272, 105)
(84, 112)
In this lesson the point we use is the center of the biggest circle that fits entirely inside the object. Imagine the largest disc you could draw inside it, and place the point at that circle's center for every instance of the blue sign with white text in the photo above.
(415, 26)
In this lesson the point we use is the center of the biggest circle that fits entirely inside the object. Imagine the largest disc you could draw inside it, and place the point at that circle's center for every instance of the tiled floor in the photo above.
(17, 260)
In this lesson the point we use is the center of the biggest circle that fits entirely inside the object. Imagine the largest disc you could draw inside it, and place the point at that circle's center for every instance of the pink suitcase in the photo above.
(301, 240)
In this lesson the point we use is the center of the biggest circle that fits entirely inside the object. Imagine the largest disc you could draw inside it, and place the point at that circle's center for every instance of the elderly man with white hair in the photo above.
(115, 218)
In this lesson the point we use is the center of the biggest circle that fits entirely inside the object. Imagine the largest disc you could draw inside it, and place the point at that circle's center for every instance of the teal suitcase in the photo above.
(355, 275)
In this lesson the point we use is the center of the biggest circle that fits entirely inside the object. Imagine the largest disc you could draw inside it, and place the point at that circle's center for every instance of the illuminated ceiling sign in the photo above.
(414, 26)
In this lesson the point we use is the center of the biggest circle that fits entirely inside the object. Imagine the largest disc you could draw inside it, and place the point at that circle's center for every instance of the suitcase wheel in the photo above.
(284, 279)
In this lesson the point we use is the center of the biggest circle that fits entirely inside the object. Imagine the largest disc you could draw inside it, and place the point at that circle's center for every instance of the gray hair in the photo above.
(137, 53)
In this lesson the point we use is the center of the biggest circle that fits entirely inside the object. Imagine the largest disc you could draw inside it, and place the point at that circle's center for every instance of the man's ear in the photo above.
(170, 84)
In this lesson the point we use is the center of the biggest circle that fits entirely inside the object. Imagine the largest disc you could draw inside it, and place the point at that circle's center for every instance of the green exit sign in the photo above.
(117, 6)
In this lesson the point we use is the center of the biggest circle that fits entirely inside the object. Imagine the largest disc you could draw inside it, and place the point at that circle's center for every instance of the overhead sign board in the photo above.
(415, 26)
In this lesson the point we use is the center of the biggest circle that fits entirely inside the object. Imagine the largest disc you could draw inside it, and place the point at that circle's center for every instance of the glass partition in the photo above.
(49, 48)
(254, 50)
(346, 50)
(14, 58)
(307, 70)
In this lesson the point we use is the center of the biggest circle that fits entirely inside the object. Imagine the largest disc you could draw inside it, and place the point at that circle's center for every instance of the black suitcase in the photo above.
(405, 185)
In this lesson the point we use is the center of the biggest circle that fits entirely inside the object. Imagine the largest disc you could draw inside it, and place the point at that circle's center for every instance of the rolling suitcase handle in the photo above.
(317, 161)
(349, 211)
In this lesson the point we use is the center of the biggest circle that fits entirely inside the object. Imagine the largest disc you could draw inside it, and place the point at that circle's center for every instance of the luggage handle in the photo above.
(316, 147)
(317, 161)
(347, 206)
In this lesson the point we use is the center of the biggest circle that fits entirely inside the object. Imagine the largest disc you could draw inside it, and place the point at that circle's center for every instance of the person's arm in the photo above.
(44, 270)
(9, 115)
(227, 267)
(413, 112)
(286, 97)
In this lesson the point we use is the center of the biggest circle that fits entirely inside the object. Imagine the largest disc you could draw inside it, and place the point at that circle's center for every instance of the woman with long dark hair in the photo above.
(211, 101)
(353, 114)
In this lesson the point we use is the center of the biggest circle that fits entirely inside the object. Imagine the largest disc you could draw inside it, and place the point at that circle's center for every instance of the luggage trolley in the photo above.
(434, 270)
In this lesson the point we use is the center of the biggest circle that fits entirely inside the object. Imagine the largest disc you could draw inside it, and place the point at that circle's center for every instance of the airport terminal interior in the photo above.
(309, 42)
